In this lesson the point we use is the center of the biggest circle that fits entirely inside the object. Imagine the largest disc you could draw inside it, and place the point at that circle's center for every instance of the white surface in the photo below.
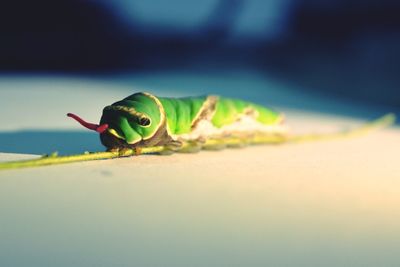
(332, 203)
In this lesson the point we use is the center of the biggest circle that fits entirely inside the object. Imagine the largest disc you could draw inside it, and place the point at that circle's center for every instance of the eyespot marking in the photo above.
(144, 121)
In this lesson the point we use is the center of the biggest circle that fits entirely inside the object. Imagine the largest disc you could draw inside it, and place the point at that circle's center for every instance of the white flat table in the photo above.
(328, 203)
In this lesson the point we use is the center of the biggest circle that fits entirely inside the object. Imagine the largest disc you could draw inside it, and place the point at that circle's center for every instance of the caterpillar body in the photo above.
(145, 124)
(144, 120)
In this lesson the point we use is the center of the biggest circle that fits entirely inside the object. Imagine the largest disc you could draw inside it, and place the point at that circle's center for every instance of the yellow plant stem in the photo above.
(211, 144)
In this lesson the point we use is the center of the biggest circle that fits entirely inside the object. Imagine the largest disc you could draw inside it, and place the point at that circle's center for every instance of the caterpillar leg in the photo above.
(126, 151)
(237, 142)
(191, 147)
(215, 144)
(174, 145)
(114, 149)
(166, 152)
(171, 147)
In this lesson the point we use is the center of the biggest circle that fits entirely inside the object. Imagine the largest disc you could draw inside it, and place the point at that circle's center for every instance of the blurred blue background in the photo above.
(346, 49)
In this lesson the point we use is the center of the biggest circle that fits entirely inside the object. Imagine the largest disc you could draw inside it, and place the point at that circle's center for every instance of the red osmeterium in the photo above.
(90, 126)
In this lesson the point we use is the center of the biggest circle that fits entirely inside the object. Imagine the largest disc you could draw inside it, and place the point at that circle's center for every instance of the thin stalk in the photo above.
(54, 159)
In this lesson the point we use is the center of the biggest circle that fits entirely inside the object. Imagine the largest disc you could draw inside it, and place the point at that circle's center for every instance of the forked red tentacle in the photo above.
(91, 126)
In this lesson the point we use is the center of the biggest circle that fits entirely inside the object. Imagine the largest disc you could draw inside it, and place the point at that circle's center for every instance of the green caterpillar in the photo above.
(145, 124)
(144, 120)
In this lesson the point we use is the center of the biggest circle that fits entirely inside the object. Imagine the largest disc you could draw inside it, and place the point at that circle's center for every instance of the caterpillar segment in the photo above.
(144, 120)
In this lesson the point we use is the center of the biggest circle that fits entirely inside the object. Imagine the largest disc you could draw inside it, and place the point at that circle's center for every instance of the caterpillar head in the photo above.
(129, 123)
